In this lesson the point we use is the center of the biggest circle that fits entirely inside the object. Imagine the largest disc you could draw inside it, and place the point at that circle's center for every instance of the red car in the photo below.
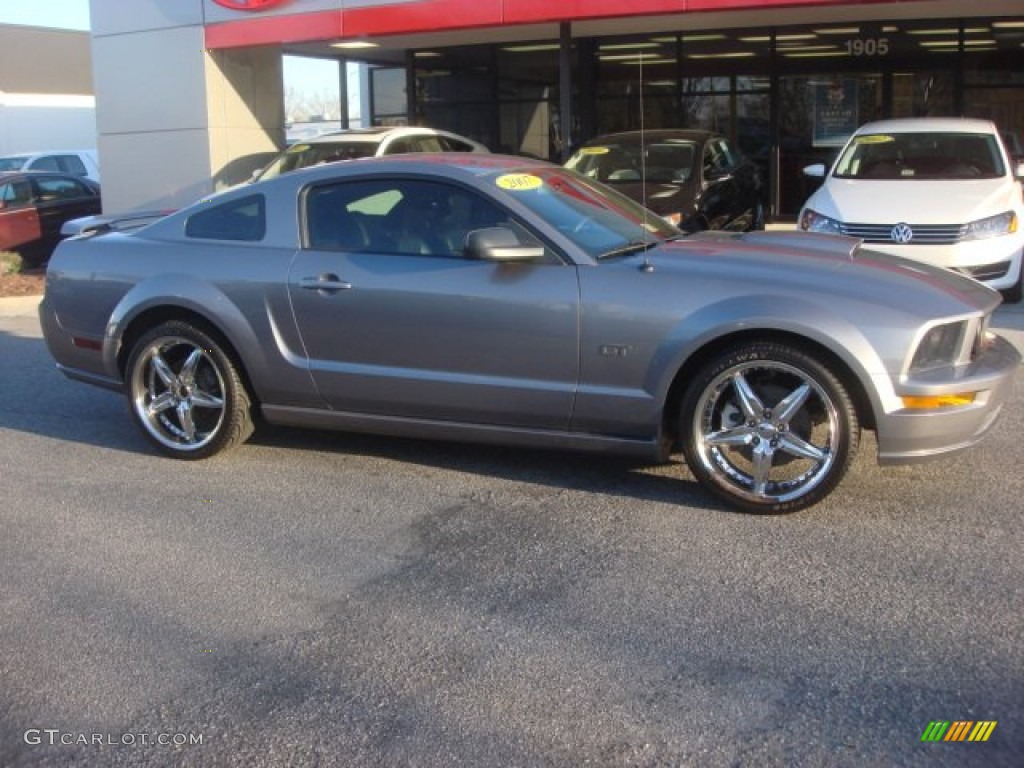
(35, 204)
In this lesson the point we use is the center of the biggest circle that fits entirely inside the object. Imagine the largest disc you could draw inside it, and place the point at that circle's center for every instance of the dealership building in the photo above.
(184, 88)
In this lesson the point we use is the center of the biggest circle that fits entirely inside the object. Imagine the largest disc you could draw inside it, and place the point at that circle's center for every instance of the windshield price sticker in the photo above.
(519, 182)
(876, 138)
(594, 151)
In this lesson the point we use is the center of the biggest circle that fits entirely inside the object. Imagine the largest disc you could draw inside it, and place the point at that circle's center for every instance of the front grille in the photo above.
(986, 271)
(923, 234)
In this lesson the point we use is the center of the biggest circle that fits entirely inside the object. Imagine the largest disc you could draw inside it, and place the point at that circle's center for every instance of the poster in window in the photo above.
(836, 112)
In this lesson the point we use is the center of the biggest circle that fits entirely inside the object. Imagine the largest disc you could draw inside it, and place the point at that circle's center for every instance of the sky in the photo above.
(315, 77)
(64, 14)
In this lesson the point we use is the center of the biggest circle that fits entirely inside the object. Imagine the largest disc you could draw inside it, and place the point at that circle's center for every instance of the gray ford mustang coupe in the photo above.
(503, 300)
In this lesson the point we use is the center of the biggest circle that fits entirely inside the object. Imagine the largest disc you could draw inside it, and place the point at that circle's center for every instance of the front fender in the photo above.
(715, 324)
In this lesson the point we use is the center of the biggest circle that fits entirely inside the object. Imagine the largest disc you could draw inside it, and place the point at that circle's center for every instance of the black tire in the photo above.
(749, 446)
(185, 392)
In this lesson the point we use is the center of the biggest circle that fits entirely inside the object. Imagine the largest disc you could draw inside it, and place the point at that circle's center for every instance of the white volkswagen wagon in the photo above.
(940, 190)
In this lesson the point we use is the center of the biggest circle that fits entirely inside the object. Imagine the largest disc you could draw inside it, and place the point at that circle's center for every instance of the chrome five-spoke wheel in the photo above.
(769, 428)
(185, 392)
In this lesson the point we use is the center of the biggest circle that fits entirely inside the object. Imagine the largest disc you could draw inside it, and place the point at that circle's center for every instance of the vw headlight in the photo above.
(993, 226)
(812, 221)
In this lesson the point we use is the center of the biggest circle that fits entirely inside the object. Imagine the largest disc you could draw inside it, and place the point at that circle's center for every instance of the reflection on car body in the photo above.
(496, 299)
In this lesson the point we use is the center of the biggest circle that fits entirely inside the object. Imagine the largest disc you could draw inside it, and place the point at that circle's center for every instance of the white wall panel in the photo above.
(116, 17)
(150, 81)
(147, 171)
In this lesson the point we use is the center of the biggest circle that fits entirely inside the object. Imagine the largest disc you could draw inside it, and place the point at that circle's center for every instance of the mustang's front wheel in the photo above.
(185, 392)
(769, 428)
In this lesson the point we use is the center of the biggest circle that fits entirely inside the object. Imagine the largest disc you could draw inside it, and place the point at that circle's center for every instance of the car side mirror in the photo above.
(1020, 169)
(816, 171)
(500, 244)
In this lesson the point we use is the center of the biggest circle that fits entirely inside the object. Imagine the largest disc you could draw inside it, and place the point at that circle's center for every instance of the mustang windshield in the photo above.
(925, 155)
(598, 219)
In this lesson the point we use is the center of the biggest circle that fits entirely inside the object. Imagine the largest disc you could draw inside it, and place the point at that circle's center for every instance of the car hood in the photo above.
(821, 267)
(660, 197)
(914, 201)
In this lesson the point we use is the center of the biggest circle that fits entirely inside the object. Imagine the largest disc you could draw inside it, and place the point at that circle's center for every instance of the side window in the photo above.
(72, 164)
(715, 161)
(449, 144)
(45, 163)
(50, 190)
(401, 146)
(243, 220)
(728, 156)
(400, 216)
(428, 144)
(15, 193)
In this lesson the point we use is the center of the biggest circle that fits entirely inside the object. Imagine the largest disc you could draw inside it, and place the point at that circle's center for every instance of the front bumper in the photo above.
(996, 261)
(911, 435)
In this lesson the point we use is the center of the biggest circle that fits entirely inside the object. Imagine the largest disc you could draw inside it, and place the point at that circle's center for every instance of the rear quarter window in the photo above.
(242, 220)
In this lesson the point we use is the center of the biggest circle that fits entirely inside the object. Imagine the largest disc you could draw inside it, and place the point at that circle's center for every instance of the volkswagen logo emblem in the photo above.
(901, 233)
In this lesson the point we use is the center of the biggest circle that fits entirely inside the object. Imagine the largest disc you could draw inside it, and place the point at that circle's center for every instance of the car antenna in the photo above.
(646, 266)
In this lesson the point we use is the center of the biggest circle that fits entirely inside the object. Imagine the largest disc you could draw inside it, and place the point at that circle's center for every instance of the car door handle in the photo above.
(328, 283)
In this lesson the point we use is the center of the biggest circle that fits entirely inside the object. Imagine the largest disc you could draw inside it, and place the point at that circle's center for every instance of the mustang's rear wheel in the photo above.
(769, 428)
(185, 392)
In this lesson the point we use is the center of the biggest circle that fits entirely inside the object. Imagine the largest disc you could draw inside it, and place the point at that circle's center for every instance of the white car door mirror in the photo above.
(816, 171)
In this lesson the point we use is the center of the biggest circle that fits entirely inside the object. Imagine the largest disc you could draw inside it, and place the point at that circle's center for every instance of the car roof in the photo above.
(43, 174)
(929, 125)
(466, 166)
(371, 134)
(49, 152)
(661, 134)
(444, 163)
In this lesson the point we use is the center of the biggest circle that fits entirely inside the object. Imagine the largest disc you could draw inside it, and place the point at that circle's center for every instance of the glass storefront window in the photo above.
(994, 79)
(922, 94)
(389, 99)
(820, 82)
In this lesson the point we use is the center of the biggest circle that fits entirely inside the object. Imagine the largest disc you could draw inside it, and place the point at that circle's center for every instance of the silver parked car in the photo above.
(355, 143)
(497, 299)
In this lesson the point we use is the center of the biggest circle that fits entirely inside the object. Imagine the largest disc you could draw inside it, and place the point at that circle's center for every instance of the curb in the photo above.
(20, 306)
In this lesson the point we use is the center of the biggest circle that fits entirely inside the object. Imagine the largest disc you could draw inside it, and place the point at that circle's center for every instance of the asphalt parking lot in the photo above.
(337, 600)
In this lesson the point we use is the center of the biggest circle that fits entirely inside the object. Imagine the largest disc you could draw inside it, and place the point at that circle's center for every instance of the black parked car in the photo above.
(695, 179)
(34, 205)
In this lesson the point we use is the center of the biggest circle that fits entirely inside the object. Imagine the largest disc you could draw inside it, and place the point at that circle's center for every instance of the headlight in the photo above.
(941, 345)
(993, 226)
(812, 221)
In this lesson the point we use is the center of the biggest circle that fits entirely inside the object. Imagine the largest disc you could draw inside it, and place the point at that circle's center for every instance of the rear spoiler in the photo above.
(115, 222)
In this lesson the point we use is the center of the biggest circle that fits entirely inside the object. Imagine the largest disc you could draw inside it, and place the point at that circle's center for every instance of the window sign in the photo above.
(836, 112)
